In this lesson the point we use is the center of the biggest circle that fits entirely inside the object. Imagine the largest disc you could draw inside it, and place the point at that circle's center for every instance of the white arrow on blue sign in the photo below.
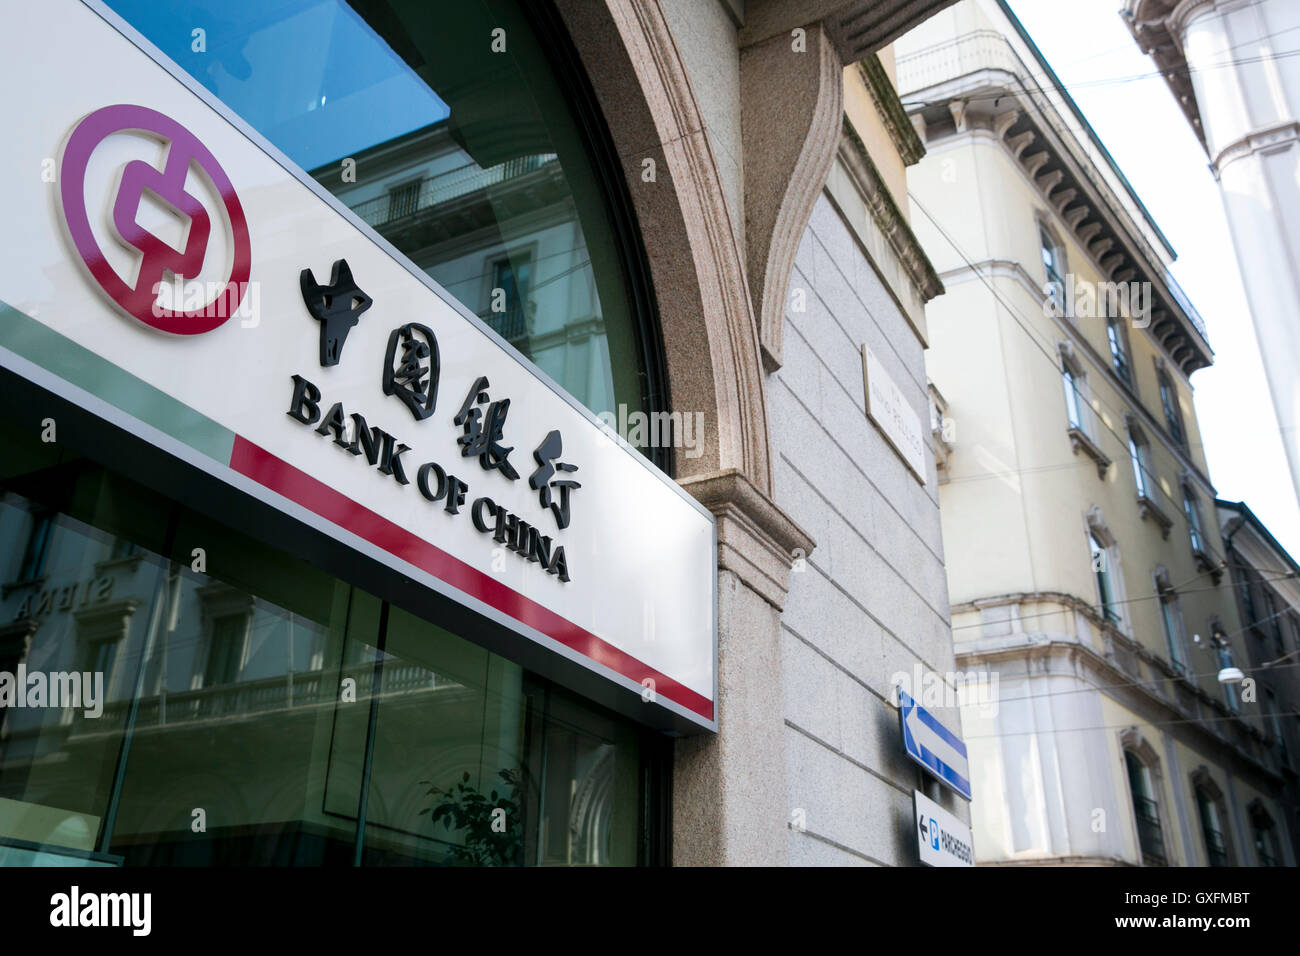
(934, 746)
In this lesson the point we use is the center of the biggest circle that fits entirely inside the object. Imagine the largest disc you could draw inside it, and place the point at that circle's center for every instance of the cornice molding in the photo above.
(886, 214)
(1181, 17)
(1064, 175)
(1158, 32)
(757, 541)
(1070, 657)
(890, 107)
(1010, 269)
(787, 159)
(1266, 139)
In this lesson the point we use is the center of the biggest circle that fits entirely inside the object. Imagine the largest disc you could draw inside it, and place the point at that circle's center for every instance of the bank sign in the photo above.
(170, 270)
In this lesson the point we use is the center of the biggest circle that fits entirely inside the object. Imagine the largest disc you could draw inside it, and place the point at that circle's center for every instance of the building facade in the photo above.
(1086, 574)
(579, 543)
(1231, 67)
(1265, 581)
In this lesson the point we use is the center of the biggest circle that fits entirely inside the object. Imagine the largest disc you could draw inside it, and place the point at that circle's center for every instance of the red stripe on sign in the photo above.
(260, 465)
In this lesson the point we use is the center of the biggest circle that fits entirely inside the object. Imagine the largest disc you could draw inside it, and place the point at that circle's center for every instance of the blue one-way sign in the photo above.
(934, 746)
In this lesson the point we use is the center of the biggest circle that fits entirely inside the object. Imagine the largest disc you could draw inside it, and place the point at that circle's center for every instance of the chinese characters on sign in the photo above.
(411, 374)
(483, 438)
(413, 377)
(337, 307)
(543, 482)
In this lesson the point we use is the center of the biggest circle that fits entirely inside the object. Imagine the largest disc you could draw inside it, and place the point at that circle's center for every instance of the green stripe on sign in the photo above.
(73, 363)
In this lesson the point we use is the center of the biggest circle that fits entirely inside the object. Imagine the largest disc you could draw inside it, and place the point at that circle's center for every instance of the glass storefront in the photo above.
(178, 686)
(449, 129)
(240, 706)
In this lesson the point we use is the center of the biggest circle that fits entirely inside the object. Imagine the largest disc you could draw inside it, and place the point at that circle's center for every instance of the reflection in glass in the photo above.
(266, 713)
(467, 159)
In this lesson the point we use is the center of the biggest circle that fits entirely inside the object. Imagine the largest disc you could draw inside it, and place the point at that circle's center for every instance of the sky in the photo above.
(351, 93)
(1136, 116)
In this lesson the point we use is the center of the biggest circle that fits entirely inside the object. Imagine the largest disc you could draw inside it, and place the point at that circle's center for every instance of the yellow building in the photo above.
(1085, 567)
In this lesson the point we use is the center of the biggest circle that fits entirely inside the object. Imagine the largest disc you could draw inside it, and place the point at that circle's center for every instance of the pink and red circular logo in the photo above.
(157, 256)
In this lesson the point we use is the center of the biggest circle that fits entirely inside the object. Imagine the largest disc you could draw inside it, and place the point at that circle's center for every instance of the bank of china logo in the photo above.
(159, 262)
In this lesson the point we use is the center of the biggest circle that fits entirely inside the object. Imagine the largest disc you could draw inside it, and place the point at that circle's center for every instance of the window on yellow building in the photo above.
(1146, 810)
(1265, 834)
(1169, 404)
(1118, 349)
(1139, 450)
(1171, 619)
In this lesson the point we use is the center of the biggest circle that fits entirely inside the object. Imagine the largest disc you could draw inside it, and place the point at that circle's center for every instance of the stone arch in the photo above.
(710, 339)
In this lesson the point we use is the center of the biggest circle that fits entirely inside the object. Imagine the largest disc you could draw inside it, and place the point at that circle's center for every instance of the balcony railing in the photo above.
(1186, 305)
(1215, 848)
(264, 695)
(1150, 835)
(408, 200)
(511, 324)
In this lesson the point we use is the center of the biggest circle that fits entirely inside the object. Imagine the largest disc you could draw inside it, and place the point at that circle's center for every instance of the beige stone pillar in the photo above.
(729, 790)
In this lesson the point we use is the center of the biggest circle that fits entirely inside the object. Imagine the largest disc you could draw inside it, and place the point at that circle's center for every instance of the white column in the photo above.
(1248, 101)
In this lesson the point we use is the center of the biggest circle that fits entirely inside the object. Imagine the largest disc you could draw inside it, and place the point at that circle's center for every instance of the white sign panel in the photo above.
(889, 410)
(328, 375)
(942, 839)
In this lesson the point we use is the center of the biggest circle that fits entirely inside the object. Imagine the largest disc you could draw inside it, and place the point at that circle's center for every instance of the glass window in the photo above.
(1271, 622)
(102, 654)
(460, 156)
(1275, 724)
(1192, 509)
(38, 540)
(403, 200)
(464, 739)
(1140, 455)
(1118, 353)
(1075, 402)
(1216, 848)
(1247, 598)
(510, 290)
(1051, 253)
(229, 715)
(1224, 652)
(1169, 403)
(1101, 570)
(1145, 809)
(1171, 618)
(1266, 848)
(225, 650)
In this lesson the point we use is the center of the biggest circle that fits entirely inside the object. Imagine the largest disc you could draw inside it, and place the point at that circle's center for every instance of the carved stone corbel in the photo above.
(791, 101)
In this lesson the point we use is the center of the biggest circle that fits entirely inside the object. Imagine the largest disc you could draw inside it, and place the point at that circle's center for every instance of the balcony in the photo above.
(1148, 508)
(1150, 836)
(511, 325)
(1185, 304)
(1216, 849)
(1080, 440)
(406, 201)
(243, 700)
